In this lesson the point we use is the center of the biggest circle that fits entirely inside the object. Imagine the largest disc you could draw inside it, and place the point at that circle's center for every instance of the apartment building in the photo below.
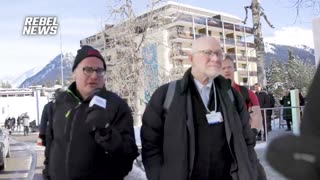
(167, 41)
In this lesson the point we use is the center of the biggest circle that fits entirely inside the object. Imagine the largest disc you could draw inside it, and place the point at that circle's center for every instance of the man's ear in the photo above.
(74, 76)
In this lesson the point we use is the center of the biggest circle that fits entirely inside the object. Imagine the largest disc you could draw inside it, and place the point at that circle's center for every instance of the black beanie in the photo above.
(84, 52)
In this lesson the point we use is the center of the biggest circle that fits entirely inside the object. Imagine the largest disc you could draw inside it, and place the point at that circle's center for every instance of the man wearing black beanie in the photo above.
(91, 135)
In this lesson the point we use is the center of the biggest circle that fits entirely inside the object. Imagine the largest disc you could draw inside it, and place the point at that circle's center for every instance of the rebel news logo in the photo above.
(40, 25)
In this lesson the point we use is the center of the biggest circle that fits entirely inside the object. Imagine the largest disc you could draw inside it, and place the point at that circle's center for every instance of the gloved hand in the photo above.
(109, 138)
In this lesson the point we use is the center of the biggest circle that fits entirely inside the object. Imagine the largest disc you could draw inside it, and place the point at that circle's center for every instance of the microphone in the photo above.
(93, 93)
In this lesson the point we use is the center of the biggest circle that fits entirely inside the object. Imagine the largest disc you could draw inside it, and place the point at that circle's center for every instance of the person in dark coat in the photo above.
(47, 114)
(91, 134)
(271, 104)
(287, 113)
(202, 135)
(264, 102)
(286, 102)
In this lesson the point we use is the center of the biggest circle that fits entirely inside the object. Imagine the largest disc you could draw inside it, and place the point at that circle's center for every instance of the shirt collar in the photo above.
(199, 85)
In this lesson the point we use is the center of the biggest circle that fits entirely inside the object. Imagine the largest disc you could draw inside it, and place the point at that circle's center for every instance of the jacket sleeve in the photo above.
(152, 134)
(127, 151)
(301, 99)
(43, 122)
(49, 138)
(248, 134)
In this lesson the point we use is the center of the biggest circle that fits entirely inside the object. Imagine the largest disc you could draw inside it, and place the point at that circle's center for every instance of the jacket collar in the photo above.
(73, 91)
(220, 82)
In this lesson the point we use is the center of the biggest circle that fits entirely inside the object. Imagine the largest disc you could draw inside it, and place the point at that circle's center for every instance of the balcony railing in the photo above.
(177, 33)
(244, 73)
(242, 58)
(178, 52)
(213, 22)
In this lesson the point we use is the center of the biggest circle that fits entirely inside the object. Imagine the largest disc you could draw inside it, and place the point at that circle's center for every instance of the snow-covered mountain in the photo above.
(51, 72)
(16, 80)
(280, 52)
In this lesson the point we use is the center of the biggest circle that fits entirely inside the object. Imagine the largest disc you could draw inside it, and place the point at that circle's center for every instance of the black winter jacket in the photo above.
(90, 142)
(46, 115)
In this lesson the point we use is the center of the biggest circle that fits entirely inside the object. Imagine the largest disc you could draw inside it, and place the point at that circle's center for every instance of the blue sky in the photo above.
(79, 19)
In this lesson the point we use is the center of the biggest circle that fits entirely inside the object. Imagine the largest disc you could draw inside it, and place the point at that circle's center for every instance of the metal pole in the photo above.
(265, 124)
(37, 104)
(295, 102)
(193, 28)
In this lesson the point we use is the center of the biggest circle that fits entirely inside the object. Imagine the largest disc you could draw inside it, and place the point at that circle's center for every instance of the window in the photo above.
(245, 80)
(190, 30)
(243, 52)
(221, 35)
(239, 37)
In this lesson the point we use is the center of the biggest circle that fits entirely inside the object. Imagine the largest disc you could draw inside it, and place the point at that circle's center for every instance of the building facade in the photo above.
(162, 40)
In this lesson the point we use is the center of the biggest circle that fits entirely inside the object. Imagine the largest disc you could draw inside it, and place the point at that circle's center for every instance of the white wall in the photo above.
(15, 106)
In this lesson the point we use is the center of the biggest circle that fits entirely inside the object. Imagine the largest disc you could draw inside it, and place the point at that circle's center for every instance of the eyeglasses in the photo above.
(89, 71)
(210, 53)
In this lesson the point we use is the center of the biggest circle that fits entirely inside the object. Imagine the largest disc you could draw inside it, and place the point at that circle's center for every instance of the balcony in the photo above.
(228, 26)
(212, 22)
(244, 73)
(251, 45)
(179, 54)
(249, 30)
(242, 58)
(229, 41)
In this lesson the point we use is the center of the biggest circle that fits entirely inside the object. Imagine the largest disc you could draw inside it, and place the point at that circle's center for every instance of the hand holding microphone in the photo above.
(107, 137)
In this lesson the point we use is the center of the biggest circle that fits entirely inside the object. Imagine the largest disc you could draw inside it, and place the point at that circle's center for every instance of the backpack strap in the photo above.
(169, 95)
(233, 99)
(231, 95)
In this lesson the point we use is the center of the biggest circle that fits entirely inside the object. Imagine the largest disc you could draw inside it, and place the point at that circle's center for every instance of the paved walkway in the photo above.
(261, 149)
(138, 174)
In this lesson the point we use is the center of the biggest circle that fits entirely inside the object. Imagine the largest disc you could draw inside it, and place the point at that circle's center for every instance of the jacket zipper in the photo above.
(71, 130)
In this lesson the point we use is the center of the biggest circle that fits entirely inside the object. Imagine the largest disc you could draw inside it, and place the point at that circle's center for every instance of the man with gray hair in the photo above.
(201, 135)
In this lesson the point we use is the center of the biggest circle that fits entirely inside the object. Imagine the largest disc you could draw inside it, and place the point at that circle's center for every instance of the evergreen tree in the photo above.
(294, 74)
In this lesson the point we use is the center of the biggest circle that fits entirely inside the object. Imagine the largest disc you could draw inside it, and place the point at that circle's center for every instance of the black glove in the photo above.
(108, 138)
(43, 139)
(255, 131)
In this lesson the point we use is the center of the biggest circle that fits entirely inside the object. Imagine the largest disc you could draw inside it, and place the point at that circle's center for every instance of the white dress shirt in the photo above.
(204, 91)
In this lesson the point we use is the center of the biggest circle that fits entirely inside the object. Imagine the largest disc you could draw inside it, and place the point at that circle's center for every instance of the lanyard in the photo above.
(215, 100)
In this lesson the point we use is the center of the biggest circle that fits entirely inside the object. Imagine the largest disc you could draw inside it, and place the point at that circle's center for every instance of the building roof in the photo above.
(207, 11)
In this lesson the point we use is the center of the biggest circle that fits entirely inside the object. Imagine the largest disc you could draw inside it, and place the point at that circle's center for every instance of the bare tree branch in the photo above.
(261, 14)
(305, 4)
(129, 37)
(266, 19)
(246, 9)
